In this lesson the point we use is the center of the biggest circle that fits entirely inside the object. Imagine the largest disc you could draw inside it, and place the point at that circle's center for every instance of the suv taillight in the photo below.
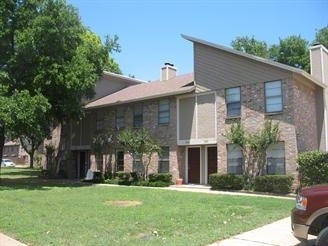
(301, 202)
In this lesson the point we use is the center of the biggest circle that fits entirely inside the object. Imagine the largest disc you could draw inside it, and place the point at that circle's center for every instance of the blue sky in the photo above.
(150, 31)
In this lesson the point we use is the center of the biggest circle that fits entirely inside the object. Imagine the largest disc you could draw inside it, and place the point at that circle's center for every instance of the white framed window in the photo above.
(119, 118)
(273, 96)
(163, 112)
(164, 160)
(232, 96)
(275, 159)
(138, 116)
(234, 159)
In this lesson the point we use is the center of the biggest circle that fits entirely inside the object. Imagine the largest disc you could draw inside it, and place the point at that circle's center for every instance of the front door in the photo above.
(212, 163)
(194, 165)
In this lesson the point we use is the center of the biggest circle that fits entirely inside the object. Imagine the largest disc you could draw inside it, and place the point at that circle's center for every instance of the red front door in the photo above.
(194, 165)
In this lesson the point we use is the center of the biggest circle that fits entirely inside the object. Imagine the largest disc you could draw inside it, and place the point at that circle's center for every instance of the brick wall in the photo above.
(253, 117)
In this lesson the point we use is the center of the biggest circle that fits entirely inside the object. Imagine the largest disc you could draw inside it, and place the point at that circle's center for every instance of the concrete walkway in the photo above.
(278, 233)
(8, 241)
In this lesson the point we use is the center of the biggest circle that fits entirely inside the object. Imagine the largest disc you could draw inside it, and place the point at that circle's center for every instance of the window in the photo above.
(137, 116)
(138, 166)
(164, 160)
(119, 161)
(275, 157)
(233, 101)
(235, 159)
(119, 119)
(273, 97)
(99, 122)
(164, 112)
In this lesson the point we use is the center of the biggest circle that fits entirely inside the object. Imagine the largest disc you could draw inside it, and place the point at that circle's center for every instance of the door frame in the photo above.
(186, 163)
(206, 160)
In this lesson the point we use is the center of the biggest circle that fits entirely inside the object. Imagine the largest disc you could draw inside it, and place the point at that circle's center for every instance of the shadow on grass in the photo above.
(29, 179)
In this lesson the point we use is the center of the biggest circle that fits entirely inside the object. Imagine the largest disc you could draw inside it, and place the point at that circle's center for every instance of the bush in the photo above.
(124, 178)
(98, 177)
(313, 167)
(112, 181)
(281, 184)
(226, 181)
(164, 177)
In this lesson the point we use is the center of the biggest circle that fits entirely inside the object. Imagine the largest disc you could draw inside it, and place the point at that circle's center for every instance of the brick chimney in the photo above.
(319, 63)
(168, 71)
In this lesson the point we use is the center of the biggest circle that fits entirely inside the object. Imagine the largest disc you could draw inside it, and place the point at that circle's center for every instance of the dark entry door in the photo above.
(82, 165)
(194, 165)
(212, 163)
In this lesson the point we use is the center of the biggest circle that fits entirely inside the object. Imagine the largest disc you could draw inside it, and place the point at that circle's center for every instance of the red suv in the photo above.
(310, 215)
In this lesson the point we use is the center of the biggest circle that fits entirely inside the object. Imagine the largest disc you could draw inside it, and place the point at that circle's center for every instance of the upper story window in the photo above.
(164, 112)
(273, 96)
(119, 119)
(233, 101)
(138, 115)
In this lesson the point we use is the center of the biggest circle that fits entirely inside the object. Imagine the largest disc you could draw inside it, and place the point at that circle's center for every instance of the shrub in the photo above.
(160, 179)
(226, 181)
(98, 177)
(112, 181)
(165, 177)
(108, 175)
(124, 178)
(281, 184)
(313, 167)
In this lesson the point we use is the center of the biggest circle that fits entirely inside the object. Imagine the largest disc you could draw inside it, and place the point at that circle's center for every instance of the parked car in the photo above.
(310, 215)
(7, 163)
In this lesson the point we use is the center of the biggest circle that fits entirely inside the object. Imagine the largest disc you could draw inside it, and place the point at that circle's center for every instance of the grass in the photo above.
(52, 212)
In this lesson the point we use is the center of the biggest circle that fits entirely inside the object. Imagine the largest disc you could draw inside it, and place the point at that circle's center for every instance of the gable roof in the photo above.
(175, 86)
(256, 58)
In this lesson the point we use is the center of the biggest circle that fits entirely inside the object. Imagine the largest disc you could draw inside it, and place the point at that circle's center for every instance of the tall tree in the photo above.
(30, 122)
(5, 120)
(321, 36)
(49, 50)
(251, 46)
(45, 49)
(293, 51)
(139, 144)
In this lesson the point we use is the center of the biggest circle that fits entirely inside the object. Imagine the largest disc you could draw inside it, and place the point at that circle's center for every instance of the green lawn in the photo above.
(39, 212)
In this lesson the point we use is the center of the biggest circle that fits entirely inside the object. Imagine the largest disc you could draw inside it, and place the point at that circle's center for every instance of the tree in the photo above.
(253, 146)
(251, 46)
(30, 122)
(46, 50)
(103, 144)
(293, 51)
(321, 36)
(5, 120)
(139, 145)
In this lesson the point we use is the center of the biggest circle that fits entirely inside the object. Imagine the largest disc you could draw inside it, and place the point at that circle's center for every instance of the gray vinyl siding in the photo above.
(217, 69)
(187, 119)
(206, 116)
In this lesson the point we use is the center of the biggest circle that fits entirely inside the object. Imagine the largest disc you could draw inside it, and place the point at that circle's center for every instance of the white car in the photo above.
(7, 163)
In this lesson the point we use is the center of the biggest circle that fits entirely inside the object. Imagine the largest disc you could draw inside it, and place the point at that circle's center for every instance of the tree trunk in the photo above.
(32, 157)
(2, 144)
